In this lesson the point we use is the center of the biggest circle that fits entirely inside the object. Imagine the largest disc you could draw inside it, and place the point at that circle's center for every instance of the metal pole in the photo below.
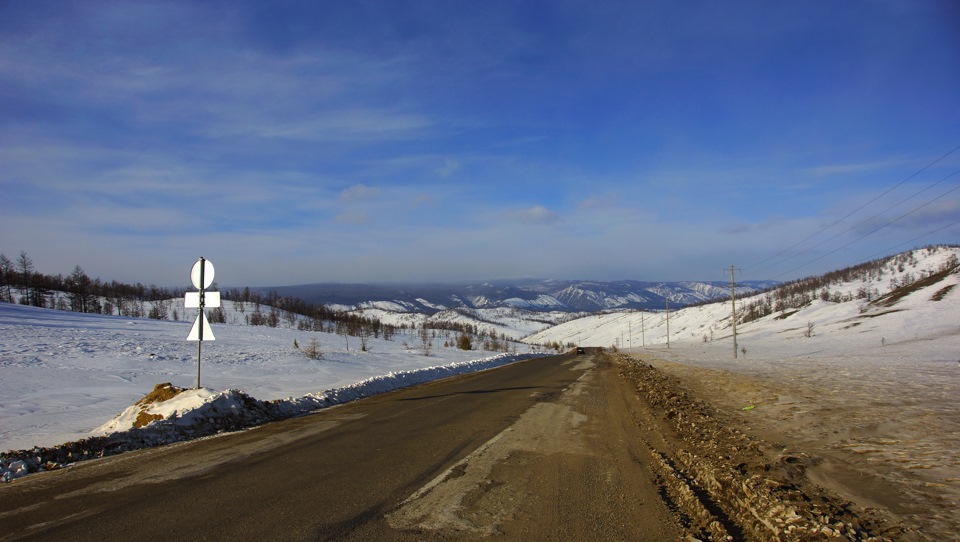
(198, 363)
(200, 320)
(668, 323)
(733, 305)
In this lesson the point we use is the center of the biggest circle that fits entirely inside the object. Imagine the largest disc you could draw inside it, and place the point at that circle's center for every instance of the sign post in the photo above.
(202, 277)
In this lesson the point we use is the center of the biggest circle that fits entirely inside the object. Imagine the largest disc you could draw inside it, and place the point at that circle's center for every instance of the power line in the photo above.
(858, 209)
(915, 209)
(870, 218)
(929, 233)
(895, 205)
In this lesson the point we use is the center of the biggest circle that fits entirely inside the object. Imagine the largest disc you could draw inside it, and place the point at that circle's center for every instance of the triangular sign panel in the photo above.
(195, 331)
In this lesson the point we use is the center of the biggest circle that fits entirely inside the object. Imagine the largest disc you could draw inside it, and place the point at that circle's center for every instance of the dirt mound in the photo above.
(161, 392)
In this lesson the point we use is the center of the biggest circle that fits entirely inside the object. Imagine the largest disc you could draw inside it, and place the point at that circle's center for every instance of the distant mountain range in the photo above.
(536, 295)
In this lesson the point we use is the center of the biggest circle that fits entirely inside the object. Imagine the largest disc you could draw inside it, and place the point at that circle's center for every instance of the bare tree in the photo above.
(217, 316)
(364, 333)
(158, 309)
(425, 340)
(25, 274)
(7, 276)
(78, 288)
(312, 350)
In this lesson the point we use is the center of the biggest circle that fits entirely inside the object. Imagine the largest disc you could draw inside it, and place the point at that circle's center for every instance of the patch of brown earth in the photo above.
(744, 486)
(144, 419)
(881, 441)
(161, 392)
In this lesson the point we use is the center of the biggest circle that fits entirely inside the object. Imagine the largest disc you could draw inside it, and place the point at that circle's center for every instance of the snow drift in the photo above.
(171, 414)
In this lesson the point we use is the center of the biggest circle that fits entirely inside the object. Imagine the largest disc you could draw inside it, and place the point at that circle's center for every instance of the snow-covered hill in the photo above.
(532, 295)
(901, 298)
(506, 322)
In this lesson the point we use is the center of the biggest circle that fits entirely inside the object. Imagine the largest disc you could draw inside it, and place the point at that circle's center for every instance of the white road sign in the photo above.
(202, 277)
(191, 300)
(207, 270)
(196, 330)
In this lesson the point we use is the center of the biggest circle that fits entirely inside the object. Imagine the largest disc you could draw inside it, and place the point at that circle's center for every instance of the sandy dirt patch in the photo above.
(880, 430)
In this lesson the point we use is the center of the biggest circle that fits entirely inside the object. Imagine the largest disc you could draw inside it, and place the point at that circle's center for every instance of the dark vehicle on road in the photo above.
(581, 350)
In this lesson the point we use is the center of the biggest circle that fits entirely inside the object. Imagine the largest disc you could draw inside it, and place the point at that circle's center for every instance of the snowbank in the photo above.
(170, 414)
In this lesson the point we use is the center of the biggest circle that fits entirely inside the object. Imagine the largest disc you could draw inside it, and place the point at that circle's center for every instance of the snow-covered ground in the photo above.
(511, 322)
(64, 374)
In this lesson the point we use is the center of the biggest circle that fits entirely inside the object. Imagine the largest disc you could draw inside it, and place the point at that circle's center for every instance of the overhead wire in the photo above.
(871, 218)
(848, 215)
(834, 251)
(758, 265)
(911, 241)
(894, 206)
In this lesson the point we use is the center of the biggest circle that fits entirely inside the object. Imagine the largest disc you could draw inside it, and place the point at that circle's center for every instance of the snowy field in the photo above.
(64, 374)
(513, 323)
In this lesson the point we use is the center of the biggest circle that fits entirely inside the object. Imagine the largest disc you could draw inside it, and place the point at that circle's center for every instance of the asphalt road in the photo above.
(545, 449)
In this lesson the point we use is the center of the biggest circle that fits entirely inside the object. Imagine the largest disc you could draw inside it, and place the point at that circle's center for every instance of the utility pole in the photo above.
(643, 332)
(733, 308)
(668, 323)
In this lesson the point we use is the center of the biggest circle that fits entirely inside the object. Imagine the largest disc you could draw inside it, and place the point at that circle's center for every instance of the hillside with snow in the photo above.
(901, 298)
(507, 323)
(530, 295)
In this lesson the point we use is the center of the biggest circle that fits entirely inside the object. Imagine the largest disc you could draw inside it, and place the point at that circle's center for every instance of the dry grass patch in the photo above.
(942, 293)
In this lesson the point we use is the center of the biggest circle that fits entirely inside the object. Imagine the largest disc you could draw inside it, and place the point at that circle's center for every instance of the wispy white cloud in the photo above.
(360, 192)
(885, 164)
(425, 200)
(355, 218)
(448, 168)
(537, 214)
(359, 125)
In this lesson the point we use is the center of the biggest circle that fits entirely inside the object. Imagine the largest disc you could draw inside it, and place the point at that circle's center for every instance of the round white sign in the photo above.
(207, 274)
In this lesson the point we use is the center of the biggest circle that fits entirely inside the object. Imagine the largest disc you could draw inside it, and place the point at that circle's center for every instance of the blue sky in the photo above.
(293, 142)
